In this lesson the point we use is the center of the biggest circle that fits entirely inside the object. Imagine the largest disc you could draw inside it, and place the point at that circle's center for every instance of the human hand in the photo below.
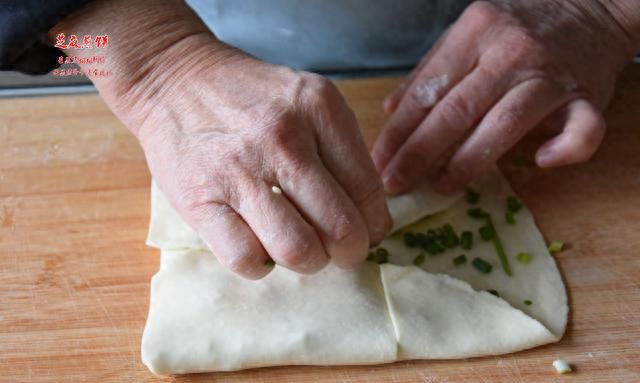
(221, 137)
(220, 129)
(501, 70)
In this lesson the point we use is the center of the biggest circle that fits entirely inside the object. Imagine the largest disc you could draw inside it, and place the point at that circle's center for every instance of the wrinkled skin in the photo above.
(501, 70)
(220, 129)
(232, 133)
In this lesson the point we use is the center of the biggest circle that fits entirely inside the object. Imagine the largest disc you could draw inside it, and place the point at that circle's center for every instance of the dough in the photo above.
(205, 318)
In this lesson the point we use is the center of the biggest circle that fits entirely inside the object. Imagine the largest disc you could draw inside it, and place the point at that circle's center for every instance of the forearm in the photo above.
(627, 16)
(149, 43)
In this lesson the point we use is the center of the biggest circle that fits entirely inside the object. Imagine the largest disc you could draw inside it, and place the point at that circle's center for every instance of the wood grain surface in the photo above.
(74, 270)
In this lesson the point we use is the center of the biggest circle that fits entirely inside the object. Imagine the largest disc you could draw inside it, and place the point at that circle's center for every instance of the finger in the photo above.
(326, 206)
(454, 59)
(344, 154)
(286, 236)
(447, 124)
(391, 102)
(521, 109)
(583, 132)
(232, 241)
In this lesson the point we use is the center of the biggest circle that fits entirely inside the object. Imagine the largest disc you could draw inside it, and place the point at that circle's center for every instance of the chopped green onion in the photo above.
(472, 196)
(434, 249)
(379, 256)
(524, 257)
(528, 302)
(493, 292)
(449, 237)
(556, 246)
(422, 239)
(481, 265)
(497, 243)
(510, 218)
(419, 259)
(459, 260)
(477, 213)
(382, 254)
(269, 262)
(432, 242)
(513, 204)
(466, 240)
(520, 161)
(410, 239)
(487, 232)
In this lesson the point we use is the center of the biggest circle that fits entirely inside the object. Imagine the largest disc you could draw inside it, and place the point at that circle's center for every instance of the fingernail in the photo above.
(545, 157)
(391, 184)
(378, 161)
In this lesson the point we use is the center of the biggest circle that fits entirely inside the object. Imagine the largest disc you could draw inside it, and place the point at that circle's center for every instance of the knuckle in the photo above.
(292, 168)
(508, 121)
(482, 12)
(194, 198)
(345, 229)
(455, 113)
(368, 192)
(318, 90)
(298, 254)
(320, 85)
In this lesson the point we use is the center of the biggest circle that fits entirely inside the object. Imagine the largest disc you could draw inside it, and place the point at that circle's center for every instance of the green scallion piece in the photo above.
(493, 292)
(481, 265)
(419, 259)
(524, 258)
(422, 239)
(472, 196)
(487, 232)
(382, 255)
(528, 302)
(449, 237)
(434, 249)
(269, 262)
(459, 260)
(510, 218)
(466, 240)
(556, 246)
(410, 239)
(477, 213)
(497, 243)
(513, 204)
(379, 256)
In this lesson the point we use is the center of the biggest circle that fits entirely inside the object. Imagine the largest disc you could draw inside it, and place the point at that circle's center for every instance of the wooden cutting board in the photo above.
(74, 270)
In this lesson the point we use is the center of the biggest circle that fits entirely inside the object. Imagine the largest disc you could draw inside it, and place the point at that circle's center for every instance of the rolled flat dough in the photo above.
(205, 318)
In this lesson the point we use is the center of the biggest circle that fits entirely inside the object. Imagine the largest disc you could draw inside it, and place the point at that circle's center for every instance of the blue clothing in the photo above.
(320, 35)
(331, 35)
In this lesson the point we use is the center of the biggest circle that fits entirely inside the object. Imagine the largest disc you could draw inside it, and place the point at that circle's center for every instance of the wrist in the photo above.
(151, 45)
(626, 14)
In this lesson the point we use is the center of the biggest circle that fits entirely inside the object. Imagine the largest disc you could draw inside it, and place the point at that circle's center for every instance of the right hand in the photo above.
(220, 134)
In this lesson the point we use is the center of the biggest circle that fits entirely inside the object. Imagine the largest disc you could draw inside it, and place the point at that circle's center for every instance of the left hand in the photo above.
(501, 70)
